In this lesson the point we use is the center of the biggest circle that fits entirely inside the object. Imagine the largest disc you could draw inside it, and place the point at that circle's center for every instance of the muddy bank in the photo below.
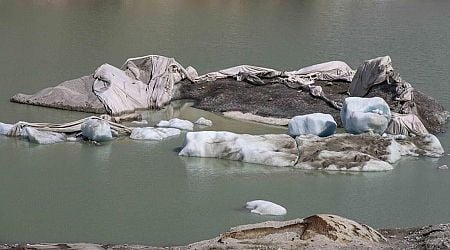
(322, 231)
(275, 99)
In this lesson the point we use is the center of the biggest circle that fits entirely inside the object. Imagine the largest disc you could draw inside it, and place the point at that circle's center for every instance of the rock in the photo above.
(314, 232)
(363, 152)
(203, 122)
(265, 208)
(176, 123)
(360, 115)
(443, 167)
(271, 149)
(96, 130)
(43, 137)
(315, 124)
(150, 133)
(5, 128)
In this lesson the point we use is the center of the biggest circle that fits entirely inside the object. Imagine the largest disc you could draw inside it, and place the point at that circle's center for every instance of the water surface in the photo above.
(142, 192)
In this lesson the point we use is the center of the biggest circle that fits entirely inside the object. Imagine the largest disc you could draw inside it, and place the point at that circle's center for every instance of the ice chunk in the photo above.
(274, 150)
(143, 122)
(176, 123)
(5, 128)
(150, 133)
(96, 130)
(360, 115)
(265, 208)
(314, 124)
(43, 137)
(204, 122)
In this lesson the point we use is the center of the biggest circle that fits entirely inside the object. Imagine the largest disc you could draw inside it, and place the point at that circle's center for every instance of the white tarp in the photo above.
(406, 124)
(142, 83)
(370, 73)
(238, 70)
(328, 71)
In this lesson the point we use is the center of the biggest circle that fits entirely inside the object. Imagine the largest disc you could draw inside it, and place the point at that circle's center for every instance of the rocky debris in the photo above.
(76, 95)
(96, 130)
(317, 231)
(312, 124)
(155, 134)
(43, 137)
(360, 115)
(431, 237)
(271, 149)
(263, 207)
(176, 123)
(364, 152)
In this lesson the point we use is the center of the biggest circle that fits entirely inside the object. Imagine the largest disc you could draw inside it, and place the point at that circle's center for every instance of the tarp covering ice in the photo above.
(142, 83)
(370, 73)
(406, 124)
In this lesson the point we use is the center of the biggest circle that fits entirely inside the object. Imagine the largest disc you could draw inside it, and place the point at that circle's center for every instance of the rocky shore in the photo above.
(322, 231)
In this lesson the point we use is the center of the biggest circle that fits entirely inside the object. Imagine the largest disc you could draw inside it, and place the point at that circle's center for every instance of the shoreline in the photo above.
(316, 231)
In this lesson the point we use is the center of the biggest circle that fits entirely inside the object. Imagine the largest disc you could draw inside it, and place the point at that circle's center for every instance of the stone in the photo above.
(263, 207)
(156, 134)
(360, 115)
(204, 122)
(312, 124)
(176, 123)
(271, 149)
(96, 130)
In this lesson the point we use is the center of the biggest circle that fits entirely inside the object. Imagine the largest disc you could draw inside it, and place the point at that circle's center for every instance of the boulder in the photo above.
(322, 231)
(5, 128)
(312, 124)
(265, 208)
(176, 123)
(43, 137)
(203, 122)
(271, 149)
(155, 134)
(96, 130)
(360, 115)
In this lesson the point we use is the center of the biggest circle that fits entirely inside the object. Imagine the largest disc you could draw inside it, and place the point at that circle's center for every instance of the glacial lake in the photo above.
(142, 192)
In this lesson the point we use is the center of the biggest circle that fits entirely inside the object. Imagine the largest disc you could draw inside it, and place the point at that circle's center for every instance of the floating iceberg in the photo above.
(360, 115)
(96, 130)
(150, 133)
(203, 122)
(43, 137)
(265, 208)
(274, 150)
(176, 123)
(312, 124)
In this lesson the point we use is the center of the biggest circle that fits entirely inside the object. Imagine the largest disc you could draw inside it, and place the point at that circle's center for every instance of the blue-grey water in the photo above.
(142, 192)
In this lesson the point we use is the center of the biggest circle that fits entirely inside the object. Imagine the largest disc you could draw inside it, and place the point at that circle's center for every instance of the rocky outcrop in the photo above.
(312, 124)
(317, 231)
(270, 149)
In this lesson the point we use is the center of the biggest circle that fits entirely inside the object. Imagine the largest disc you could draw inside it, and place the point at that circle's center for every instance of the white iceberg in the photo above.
(265, 208)
(360, 115)
(176, 123)
(150, 133)
(204, 122)
(143, 122)
(96, 130)
(43, 137)
(271, 149)
(312, 124)
(5, 128)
